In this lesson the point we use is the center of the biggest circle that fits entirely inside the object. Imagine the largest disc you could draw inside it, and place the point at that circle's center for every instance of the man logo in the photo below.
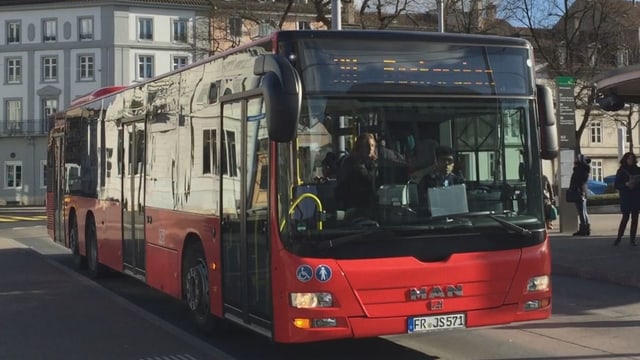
(424, 293)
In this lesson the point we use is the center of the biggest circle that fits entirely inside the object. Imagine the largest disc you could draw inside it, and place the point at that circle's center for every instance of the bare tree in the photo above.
(574, 38)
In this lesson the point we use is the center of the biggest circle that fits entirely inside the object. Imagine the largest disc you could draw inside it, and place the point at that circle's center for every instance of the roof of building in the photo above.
(196, 3)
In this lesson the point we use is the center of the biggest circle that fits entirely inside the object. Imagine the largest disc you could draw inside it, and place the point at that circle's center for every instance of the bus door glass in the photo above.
(133, 150)
(58, 188)
(244, 160)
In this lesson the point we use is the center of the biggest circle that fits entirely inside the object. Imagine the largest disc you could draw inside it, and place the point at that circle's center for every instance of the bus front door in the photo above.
(245, 241)
(133, 155)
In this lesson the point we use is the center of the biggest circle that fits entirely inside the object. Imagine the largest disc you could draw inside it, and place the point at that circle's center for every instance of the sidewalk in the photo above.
(49, 312)
(594, 257)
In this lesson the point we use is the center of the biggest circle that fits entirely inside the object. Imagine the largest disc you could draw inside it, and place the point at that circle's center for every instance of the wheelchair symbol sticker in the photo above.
(304, 273)
(323, 273)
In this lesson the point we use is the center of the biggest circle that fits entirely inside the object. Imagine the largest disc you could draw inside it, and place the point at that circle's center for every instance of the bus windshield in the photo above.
(438, 164)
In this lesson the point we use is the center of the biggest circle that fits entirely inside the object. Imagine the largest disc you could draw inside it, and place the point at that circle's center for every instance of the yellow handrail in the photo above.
(295, 204)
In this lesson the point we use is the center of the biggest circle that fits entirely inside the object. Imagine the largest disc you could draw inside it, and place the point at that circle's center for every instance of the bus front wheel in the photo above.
(195, 287)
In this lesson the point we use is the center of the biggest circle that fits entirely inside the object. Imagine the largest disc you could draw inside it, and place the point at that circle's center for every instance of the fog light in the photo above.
(536, 304)
(538, 283)
(326, 322)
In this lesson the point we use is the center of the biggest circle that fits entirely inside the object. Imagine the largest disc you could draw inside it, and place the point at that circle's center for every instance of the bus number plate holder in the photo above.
(436, 322)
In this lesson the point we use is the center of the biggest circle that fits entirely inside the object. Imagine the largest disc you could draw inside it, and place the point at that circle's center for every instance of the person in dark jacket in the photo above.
(549, 201)
(628, 185)
(356, 176)
(578, 182)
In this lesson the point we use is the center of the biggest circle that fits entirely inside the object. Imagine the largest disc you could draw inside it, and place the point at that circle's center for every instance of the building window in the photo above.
(86, 68)
(13, 174)
(145, 66)
(49, 30)
(596, 132)
(180, 61)
(145, 29)
(229, 165)
(13, 123)
(304, 25)
(13, 32)
(14, 70)
(596, 170)
(49, 68)
(43, 174)
(235, 26)
(209, 152)
(49, 107)
(622, 57)
(179, 31)
(85, 28)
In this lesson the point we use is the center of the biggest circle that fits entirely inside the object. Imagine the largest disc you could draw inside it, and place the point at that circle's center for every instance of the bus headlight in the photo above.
(311, 300)
(538, 283)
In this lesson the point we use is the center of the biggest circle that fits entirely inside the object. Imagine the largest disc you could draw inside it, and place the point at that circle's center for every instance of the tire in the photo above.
(93, 265)
(195, 288)
(79, 261)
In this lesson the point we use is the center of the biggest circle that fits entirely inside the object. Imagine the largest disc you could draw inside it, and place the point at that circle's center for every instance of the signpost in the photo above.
(567, 141)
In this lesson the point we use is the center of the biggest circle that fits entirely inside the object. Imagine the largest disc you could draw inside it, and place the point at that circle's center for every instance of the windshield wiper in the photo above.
(370, 235)
(511, 226)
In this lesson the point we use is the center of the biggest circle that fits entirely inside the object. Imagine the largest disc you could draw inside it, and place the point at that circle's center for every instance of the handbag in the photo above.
(573, 196)
(553, 212)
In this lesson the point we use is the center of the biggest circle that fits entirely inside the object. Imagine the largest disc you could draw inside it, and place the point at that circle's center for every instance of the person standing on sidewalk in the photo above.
(578, 183)
(627, 184)
(549, 201)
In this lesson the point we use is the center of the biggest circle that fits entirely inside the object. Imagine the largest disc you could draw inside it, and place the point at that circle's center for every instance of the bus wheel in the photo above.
(79, 261)
(95, 269)
(195, 285)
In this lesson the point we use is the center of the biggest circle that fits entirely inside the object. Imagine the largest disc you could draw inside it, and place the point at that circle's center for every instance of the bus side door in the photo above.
(245, 249)
(133, 151)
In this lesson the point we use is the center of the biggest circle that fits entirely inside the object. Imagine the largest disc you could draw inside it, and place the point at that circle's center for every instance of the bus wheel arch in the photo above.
(91, 246)
(195, 284)
(79, 260)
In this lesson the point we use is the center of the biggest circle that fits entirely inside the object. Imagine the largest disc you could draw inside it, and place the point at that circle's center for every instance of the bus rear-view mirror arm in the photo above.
(547, 122)
(282, 95)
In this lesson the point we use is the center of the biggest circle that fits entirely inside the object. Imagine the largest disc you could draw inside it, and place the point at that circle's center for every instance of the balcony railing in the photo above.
(23, 128)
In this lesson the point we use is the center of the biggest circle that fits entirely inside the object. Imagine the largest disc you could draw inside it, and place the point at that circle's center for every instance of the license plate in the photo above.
(437, 322)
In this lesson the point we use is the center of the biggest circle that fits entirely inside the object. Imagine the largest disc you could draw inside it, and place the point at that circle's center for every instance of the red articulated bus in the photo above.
(229, 183)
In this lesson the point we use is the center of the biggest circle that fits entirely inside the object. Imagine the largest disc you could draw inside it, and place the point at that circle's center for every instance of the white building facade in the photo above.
(51, 52)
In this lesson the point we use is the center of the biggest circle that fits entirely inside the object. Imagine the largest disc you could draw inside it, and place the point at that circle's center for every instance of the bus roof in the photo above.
(101, 92)
(457, 38)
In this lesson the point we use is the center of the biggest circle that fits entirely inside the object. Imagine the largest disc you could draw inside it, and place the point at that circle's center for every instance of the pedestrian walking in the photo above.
(550, 211)
(578, 189)
(628, 185)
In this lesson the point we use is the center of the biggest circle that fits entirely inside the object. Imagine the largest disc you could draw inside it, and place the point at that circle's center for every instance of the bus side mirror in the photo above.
(610, 102)
(282, 93)
(547, 122)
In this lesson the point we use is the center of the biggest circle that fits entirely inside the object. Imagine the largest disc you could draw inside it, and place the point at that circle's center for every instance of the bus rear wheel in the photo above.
(91, 238)
(195, 287)
(79, 261)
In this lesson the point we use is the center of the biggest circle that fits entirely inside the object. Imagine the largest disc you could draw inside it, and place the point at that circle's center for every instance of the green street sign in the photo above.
(565, 80)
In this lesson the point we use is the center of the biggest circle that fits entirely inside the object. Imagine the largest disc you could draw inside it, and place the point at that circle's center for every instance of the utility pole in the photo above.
(441, 16)
(336, 15)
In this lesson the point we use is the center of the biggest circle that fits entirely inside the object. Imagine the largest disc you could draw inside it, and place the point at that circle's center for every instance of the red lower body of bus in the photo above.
(370, 297)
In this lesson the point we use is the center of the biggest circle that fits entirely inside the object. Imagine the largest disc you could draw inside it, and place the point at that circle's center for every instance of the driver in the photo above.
(442, 172)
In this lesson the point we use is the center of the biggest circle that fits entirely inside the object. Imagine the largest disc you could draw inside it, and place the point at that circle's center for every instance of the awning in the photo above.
(623, 82)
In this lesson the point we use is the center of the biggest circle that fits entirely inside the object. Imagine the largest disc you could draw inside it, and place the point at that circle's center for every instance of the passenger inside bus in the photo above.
(356, 188)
